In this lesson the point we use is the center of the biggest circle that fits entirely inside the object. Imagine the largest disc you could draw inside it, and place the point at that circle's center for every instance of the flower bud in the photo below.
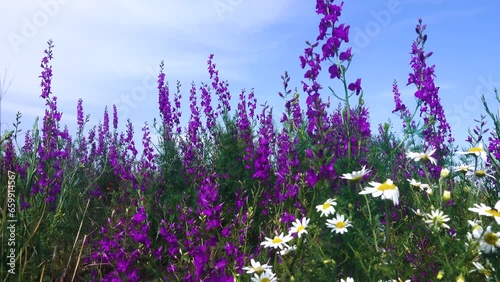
(445, 173)
(440, 275)
(446, 195)
(386, 127)
(329, 261)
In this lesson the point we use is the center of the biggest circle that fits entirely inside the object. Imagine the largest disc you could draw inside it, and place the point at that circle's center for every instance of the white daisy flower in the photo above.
(414, 182)
(327, 208)
(423, 157)
(339, 224)
(388, 190)
(418, 184)
(485, 210)
(267, 276)
(479, 173)
(356, 175)
(490, 241)
(437, 218)
(478, 151)
(477, 230)
(286, 251)
(474, 223)
(349, 279)
(418, 212)
(463, 168)
(481, 269)
(299, 227)
(428, 190)
(256, 267)
(277, 242)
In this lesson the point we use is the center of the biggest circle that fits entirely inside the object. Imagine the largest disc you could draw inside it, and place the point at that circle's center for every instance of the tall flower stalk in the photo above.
(51, 151)
(436, 130)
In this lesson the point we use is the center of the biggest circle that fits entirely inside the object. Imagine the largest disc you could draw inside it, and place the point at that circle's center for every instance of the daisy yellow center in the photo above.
(258, 269)
(300, 228)
(438, 220)
(424, 158)
(485, 271)
(265, 279)
(277, 240)
(386, 186)
(480, 173)
(491, 238)
(493, 212)
(356, 177)
(326, 205)
(340, 224)
(475, 150)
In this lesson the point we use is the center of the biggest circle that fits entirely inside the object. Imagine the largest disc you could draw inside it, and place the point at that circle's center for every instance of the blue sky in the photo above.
(108, 52)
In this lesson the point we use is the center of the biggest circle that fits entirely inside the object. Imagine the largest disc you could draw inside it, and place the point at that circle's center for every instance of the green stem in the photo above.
(370, 218)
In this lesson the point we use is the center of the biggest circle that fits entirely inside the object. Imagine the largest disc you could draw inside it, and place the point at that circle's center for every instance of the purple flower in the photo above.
(346, 55)
(200, 260)
(356, 86)
(140, 215)
(311, 178)
(334, 71)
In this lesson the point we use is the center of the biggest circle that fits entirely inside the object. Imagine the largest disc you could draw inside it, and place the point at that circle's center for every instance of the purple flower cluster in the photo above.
(53, 150)
(345, 132)
(125, 241)
(220, 87)
(494, 147)
(170, 113)
(264, 150)
(401, 108)
(436, 131)
(207, 203)
(359, 131)
(82, 150)
(315, 107)
(292, 114)
(287, 183)
(245, 127)
(147, 164)
(164, 105)
(206, 103)
(192, 146)
(7, 162)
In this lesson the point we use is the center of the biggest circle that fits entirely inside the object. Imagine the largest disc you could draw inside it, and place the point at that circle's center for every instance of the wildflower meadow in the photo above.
(249, 194)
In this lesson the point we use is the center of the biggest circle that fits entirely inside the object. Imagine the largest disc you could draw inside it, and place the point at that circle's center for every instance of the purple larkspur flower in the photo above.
(436, 131)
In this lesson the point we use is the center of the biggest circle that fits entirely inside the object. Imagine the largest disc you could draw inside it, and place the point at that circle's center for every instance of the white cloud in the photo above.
(105, 49)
